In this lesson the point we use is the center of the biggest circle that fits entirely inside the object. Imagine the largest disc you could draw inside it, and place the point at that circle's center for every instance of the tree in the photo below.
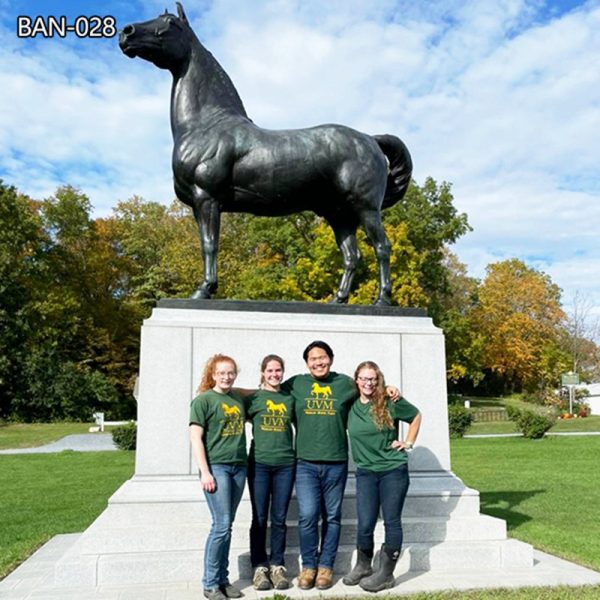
(464, 344)
(21, 252)
(518, 314)
(59, 306)
(433, 223)
(581, 328)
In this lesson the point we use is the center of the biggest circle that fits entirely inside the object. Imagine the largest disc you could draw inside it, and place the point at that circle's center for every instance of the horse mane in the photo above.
(211, 64)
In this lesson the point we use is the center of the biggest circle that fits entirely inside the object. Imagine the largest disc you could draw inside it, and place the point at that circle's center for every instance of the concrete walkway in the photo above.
(100, 442)
(85, 442)
(33, 580)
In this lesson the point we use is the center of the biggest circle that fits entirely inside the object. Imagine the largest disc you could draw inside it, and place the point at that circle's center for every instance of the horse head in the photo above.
(164, 41)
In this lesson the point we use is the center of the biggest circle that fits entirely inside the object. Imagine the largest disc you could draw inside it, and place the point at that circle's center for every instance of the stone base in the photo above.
(154, 529)
(156, 524)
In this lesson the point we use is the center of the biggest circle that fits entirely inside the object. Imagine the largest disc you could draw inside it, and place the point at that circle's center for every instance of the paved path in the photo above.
(85, 442)
(99, 442)
(33, 580)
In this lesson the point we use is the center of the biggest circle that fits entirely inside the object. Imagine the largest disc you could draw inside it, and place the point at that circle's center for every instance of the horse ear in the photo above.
(181, 12)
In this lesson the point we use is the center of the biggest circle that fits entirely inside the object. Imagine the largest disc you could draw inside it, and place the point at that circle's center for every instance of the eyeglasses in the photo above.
(367, 379)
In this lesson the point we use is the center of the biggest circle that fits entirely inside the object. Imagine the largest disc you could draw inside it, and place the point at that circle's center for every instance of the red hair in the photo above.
(208, 380)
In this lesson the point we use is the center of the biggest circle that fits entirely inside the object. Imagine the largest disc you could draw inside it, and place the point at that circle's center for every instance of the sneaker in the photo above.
(280, 581)
(306, 579)
(215, 594)
(230, 591)
(324, 578)
(261, 580)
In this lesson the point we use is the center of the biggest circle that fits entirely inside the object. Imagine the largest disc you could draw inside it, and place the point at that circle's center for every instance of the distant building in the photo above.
(594, 398)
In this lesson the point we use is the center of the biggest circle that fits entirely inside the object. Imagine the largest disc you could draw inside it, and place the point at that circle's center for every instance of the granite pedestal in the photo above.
(155, 525)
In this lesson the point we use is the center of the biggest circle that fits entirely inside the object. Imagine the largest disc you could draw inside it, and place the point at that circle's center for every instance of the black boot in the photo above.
(361, 569)
(383, 579)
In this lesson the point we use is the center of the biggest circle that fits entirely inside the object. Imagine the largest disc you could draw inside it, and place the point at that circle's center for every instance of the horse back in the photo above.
(278, 172)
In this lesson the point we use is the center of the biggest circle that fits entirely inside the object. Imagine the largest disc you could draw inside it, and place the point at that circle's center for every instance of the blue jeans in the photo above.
(385, 490)
(222, 503)
(320, 491)
(269, 485)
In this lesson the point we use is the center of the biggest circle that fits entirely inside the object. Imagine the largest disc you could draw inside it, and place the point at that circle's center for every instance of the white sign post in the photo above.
(570, 380)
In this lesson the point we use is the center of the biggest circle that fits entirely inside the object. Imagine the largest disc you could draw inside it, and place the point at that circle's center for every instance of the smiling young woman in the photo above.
(381, 473)
(271, 471)
(218, 438)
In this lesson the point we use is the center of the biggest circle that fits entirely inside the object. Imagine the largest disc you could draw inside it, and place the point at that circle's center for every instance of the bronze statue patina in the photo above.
(222, 161)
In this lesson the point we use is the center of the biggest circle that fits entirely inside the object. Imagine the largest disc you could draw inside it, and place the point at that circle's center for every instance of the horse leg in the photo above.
(345, 236)
(371, 222)
(208, 217)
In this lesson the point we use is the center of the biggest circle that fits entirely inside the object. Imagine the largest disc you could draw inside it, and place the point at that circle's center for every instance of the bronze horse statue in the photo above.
(223, 162)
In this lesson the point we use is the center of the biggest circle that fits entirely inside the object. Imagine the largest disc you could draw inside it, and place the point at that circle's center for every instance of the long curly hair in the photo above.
(208, 381)
(379, 411)
(263, 365)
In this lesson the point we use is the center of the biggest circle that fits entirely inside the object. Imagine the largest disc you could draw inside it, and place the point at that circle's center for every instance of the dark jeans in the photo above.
(269, 485)
(385, 490)
(320, 491)
(223, 504)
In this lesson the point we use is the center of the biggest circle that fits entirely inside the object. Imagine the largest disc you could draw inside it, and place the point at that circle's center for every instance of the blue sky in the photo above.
(501, 98)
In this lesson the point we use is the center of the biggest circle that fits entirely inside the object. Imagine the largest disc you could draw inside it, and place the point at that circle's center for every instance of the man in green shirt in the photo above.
(322, 400)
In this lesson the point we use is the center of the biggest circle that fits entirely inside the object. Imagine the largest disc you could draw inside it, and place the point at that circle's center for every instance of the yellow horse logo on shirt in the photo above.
(273, 408)
(324, 390)
(230, 411)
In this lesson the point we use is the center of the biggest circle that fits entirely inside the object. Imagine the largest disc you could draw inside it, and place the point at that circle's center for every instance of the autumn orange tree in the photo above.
(519, 316)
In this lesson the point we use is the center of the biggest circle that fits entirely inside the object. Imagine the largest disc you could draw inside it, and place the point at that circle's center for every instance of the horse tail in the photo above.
(400, 168)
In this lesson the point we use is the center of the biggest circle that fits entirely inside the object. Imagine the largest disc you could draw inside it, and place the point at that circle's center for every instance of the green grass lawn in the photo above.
(45, 494)
(559, 593)
(562, 426)
(547, 490)
(31, 435)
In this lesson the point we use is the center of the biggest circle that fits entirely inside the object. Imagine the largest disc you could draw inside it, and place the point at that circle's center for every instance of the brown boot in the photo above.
(324, 578)
(306, 579)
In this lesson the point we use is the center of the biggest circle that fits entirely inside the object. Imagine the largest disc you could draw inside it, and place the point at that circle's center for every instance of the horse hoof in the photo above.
(200, 294)
(383, 302)
(338, 300)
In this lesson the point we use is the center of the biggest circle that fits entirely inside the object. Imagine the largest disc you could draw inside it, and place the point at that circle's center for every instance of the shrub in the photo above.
(124, 436)
(512, 412)
(459, 420)
(532, 424)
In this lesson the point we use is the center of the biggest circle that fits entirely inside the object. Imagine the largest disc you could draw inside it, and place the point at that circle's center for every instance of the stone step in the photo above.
(183, 502)
(165, 567)
(109, 539)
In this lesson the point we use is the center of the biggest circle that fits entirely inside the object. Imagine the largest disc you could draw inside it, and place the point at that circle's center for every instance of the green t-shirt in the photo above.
(371, 448)
(222, 416)
(321, 407)
(272, 415)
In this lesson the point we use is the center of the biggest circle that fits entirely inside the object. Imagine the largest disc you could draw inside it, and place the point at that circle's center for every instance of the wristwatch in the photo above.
(409, 446)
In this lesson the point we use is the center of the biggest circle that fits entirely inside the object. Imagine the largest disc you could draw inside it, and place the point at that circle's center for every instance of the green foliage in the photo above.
(459, 420)
(519, 315)
(532, 424)
(125, 436)
(65, 343)
(62, 390)
(432, 223)
(21, 256)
